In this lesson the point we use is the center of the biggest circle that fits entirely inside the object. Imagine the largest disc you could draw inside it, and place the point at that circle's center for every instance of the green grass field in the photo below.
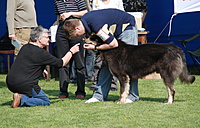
(149, 112)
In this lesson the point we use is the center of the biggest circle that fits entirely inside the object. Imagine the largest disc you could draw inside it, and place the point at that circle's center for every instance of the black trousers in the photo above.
(63, 45)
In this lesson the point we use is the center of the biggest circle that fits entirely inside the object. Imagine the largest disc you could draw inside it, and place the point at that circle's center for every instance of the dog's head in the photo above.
(93, 39)
(96, 40)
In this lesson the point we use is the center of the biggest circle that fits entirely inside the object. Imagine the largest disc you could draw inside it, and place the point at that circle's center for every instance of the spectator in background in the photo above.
(21, 18)
(65, 9)
(96, 5)
(23, 78)
(136, 6)
(102, 4)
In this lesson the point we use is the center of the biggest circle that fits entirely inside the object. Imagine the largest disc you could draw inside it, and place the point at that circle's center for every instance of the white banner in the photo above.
(182, 6)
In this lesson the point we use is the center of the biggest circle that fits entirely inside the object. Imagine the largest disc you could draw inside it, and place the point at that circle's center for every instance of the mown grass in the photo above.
(149, 112)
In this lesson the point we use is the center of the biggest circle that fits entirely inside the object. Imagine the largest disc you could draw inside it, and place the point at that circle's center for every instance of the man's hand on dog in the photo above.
(89, 46)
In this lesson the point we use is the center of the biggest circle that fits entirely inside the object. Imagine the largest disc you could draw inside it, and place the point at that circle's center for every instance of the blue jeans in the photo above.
(89, 63)
(39, 99)
(105, 76)
(129, 36)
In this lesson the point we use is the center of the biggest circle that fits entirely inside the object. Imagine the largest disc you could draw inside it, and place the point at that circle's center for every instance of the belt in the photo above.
(25, 28)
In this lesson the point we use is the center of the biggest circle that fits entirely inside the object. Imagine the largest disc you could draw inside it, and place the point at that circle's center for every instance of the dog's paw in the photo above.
(168, 102)
(120, 102)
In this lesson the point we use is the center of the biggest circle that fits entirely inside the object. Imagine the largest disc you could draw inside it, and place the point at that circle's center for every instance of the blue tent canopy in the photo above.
(159, 13)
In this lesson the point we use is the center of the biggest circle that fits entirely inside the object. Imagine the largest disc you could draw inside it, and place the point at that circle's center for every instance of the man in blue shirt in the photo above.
(109, 25)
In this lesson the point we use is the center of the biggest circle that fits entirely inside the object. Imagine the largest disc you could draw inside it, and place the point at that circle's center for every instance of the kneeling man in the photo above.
(28, 67)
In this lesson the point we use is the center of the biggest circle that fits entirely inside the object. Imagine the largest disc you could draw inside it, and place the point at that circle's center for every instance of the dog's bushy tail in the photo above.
(184, 75)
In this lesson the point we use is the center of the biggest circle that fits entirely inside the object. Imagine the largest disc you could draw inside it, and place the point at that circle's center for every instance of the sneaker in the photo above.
(92, 100)
(129, 101)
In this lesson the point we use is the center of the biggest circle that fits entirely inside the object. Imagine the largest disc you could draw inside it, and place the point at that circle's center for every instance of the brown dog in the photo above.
(128, 62)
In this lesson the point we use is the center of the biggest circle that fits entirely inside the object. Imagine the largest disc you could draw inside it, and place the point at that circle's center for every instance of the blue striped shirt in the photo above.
(61, 6)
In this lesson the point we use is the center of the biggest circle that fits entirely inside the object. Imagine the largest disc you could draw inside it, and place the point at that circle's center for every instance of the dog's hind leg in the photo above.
(169, 83)
(124, 89)
(171, 93)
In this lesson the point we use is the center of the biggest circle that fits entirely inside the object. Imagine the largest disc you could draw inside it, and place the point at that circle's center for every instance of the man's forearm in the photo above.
(67, 57)
(78, 14)
(111, 45)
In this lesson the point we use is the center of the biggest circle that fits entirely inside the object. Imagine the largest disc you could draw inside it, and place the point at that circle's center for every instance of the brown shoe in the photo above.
(80, 96)
(62, 96)
(16, 100)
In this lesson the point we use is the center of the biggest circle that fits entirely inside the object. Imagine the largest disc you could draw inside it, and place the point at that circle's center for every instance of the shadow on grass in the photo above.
(153, 99)
(8, 103)
(71, 96)
(3, 85)
(113, 98)
(52, 100)
(161, 100)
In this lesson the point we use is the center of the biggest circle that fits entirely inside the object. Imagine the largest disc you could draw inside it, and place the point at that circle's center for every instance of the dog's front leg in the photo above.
(124, 90)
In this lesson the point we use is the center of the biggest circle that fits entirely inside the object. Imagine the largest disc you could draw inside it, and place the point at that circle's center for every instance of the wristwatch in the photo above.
(95, 48)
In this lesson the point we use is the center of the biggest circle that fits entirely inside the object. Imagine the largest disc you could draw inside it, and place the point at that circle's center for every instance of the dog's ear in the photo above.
(87, 36)
(98, 40)
(88, 40)
(93, 39)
